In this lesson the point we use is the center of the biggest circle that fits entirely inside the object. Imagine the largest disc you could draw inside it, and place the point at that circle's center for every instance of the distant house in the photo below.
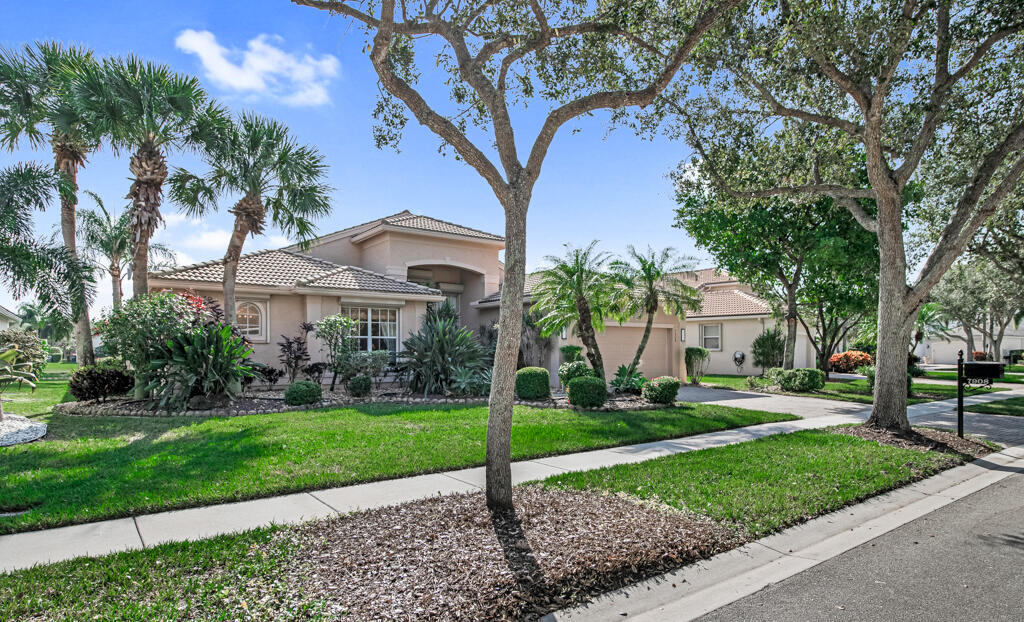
(8, 318)
(944, 352)
(386, 271)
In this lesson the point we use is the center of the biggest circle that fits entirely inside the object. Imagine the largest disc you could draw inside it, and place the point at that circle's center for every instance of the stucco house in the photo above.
(8, 318)
(386, 271)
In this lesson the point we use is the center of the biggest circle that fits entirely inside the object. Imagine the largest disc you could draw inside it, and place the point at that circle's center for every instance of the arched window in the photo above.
(250, 319)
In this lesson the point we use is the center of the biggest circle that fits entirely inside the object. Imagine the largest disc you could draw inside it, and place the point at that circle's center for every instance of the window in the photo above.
(711, 336)
(377, 329)
(454, 300)
(250, 320)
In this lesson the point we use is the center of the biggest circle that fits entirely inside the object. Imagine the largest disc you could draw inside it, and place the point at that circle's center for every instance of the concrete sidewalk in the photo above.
(24, 550)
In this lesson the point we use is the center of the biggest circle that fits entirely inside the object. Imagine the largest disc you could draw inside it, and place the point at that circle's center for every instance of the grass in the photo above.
(758, 486)
(851, 390)
(951, 375)
(768, 484)
(51, 389)
(1013, 406)
(94, 468)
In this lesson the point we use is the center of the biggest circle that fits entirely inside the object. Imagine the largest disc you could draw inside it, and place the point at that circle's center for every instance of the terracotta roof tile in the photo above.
(728, 302)
(532, 280)
(360, 279)
(425, 223)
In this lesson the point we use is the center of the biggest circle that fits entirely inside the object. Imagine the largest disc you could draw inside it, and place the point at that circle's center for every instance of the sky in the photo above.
(309, 70)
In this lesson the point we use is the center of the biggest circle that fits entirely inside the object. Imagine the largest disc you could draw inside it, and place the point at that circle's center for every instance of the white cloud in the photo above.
(208, 240)
(262, 68)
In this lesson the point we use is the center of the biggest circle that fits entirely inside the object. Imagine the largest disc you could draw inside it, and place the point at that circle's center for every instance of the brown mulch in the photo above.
(447, 558)
(921, 439)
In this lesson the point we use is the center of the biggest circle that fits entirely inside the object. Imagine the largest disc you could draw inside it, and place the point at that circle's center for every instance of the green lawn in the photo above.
(1013, 406)
(51, 389)
(93, 468)
(759, 486)
(951, 375)
(851, 390)
(770, 483)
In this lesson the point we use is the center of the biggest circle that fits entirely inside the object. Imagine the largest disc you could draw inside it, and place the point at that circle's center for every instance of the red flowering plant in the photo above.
(848, 362)
(144, 323)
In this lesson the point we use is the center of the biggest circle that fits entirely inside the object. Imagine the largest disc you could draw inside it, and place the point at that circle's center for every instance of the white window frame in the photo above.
(704, 337)
(261, 306)
(365, 342)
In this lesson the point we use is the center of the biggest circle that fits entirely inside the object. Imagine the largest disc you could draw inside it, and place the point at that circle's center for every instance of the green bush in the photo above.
(587, 392)
(793, 380)
(628, 382)
(359, 386)
(769, 348)
(571, 353)
(573, 369)
(433, 354)
(533, 383)
(138, 331)
(31, 349)
(471, 381)
(302, 392)
(697, 359)
(662, 390)
(98, 382)
(869, 371)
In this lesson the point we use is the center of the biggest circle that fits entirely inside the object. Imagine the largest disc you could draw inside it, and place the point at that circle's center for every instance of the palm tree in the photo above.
(146, 109)
(35, 105)
(257, 158)
(47, 324)
(649, 282)
(576, 293)
(59, 280)
(107, 242)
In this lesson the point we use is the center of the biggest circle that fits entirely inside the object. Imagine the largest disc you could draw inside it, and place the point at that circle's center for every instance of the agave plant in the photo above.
(12, 372)
(433, 354)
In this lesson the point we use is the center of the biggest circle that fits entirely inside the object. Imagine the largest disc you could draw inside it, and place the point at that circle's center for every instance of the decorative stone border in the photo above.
(135, 408)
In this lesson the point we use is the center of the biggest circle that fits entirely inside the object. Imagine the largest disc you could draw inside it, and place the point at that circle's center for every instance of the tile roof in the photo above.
(283, 268)
(532, 280)
(425, 223)
(705, 276)
(10, 314)
(727, 302)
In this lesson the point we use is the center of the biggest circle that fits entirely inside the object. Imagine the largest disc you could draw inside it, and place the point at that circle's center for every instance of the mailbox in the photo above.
(983, 370)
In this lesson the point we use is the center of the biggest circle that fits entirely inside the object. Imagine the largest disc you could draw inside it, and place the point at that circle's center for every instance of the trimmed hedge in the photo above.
(587, 392)
(662, 390)
(98, 382)
(795, 380)
(302, 392)
(359, 386)
(573, 369)
(533, 383)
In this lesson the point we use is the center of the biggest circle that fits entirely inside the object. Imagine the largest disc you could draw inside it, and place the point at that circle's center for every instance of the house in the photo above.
(939, 351)
(386, 271)
(8, 318)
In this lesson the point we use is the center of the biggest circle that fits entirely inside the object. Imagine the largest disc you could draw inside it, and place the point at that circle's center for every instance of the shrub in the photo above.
(533, 383)
(802, 380)
(98, 382)
(303, 392)
(315, 371)
(270, 375)
(697, 363)
(295, 351)
(846, 362)
(32, 351)
(138, 331)
(471, 382)
(573, 369)
(372, 364)
(769, 348)
(359, 386)
(662, 390)
(869, 371)
(335, 332)
(208, 363)
(571, 354)
(915, 371)
(587, 392)
(433, 353)
(628, 382)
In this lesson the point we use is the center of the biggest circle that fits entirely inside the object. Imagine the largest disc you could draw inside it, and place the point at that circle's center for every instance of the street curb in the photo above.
(703, 587)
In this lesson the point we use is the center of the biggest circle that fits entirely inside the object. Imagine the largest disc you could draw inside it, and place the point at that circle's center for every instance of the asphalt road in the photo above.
(962, 562)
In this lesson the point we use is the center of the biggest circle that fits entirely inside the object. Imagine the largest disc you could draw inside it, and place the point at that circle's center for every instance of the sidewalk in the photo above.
(23, 550)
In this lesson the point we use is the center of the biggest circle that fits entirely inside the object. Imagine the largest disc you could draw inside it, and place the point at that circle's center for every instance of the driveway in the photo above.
(805, 407)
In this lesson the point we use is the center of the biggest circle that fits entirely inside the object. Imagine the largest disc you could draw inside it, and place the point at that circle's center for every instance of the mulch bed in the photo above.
(447, 558)
(920, 439)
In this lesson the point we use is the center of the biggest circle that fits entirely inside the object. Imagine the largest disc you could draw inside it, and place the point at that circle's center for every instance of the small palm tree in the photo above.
(649, 282)
(576, 293)
(47, 324)
(36, 106)
(107, 242)
(257, 158)
(59, 280)
(146, 109)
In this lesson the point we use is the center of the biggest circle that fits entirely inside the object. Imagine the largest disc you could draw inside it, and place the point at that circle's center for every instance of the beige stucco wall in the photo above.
(737, 335)
(939, 352)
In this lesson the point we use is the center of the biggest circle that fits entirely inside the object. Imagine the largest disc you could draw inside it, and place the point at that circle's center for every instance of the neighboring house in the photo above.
(385, 272)
(944, 352)
(8, 318)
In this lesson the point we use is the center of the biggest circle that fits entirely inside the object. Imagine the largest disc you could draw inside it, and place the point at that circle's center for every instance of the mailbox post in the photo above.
(973, 373)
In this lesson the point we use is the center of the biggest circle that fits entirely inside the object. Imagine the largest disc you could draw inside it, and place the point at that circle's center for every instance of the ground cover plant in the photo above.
(1013, 406)
(851, 390)
(565, 541)
(93, 468)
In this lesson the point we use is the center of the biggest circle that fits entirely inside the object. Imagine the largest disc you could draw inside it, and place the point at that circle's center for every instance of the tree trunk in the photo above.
(510, 326)
(231, 269)
(970, 342)
(789, 354)
(643, 340)
(585, 329)
(115, 281)
(67, 160)
(149, 171)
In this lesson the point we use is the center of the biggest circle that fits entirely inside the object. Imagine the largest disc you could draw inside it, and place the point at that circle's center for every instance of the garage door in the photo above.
(618, 345)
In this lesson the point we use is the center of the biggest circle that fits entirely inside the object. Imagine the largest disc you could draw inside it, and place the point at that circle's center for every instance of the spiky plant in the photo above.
(145, 109)
(649, 282)
(257, 158)
(36, 107)
(12, 372)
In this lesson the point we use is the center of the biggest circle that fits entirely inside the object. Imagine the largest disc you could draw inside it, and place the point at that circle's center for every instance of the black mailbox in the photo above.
(983, 370)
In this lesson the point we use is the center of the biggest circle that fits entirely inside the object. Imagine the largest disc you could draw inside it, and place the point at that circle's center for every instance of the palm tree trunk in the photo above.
(643, 340)
(67, 160)
(149, 170)
(585, 329)
(115, 281)
(249, 217)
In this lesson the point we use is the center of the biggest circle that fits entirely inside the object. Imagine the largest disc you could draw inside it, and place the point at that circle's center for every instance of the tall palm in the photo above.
(576, 293)
(649, 282)
(45, 322)
(45, 267)
(257, 158)
(146, 109)
(107, 242)
(35, 106)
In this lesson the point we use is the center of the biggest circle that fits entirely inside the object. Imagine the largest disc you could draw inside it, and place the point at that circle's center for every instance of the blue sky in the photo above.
(308, 70)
